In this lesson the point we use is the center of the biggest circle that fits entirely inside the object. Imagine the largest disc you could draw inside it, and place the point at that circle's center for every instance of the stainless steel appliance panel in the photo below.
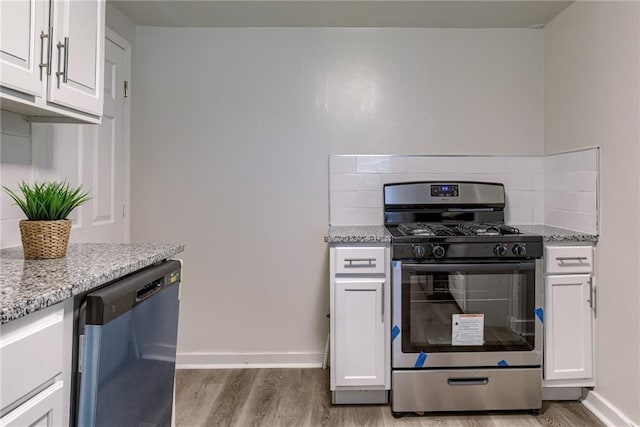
(466, 390)
(461, 359)
(466, 193)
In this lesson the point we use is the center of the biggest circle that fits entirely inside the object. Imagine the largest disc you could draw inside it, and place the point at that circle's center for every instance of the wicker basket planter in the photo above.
(45, 239)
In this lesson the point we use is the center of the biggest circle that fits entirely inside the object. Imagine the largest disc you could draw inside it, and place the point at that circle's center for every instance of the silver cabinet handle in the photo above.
(592, 296)
(42, 49)
(348, 262)
(63, 73)
(382, 309)
(571, 258)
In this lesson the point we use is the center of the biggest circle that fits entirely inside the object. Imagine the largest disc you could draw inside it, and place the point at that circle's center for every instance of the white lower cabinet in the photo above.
(360, 319)
(569, 317)
(32, 392)
(360, 332)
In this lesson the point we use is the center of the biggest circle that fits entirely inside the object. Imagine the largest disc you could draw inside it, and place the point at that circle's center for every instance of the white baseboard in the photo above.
(248, 360)
(606, 412)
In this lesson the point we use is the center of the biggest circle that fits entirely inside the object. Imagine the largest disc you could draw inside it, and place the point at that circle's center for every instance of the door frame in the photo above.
(126, 199)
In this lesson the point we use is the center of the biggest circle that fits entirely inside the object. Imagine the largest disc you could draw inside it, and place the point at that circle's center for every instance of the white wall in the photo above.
(592, 94)
(232, 129)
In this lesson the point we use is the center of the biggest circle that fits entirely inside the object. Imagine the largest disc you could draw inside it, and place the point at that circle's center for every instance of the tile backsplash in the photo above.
(559, 190)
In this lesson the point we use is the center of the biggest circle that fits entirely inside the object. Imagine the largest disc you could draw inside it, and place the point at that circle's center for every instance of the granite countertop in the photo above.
(357, 234)
(554, 234)
(27, 286)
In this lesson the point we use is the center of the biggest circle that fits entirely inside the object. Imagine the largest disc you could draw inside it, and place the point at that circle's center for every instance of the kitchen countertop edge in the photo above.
(555, 234)
(357, 234)
(27, 286)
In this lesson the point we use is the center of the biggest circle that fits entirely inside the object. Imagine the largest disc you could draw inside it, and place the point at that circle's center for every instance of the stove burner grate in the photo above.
(462, 229)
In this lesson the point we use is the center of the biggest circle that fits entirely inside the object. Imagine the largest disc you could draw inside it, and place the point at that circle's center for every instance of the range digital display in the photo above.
(444, 190)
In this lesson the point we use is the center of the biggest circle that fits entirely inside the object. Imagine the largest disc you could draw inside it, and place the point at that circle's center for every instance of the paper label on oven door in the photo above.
(467, 329)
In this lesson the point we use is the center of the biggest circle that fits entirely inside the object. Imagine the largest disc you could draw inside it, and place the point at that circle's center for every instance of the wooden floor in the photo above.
(301, 397)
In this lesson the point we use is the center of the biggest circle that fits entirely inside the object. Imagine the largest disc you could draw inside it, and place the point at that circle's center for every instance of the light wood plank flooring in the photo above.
(301, 397)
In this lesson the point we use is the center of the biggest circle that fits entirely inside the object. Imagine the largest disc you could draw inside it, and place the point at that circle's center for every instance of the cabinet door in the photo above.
(78, 54)
(42, 410)
(359, 332)
(568, 327)
(21, 23)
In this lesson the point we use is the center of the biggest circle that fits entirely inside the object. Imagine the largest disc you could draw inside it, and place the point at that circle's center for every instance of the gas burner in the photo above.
(461, 229)
(480, 229)
(424, 229)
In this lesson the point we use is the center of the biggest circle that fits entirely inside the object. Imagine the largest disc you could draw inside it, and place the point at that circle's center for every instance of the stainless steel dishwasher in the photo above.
(127, 335)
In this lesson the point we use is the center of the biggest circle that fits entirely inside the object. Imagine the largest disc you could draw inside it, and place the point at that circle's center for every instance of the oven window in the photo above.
(464, 309)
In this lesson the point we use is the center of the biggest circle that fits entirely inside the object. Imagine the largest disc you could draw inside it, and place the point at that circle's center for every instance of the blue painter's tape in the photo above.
(422, 357)
(503, 363)
(395, 331)
(539, 314)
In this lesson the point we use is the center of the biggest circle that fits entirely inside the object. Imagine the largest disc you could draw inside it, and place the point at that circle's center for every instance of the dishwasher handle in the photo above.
(148, 290)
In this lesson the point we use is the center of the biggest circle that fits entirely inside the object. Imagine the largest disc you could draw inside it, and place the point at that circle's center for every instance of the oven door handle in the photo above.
(471, 267)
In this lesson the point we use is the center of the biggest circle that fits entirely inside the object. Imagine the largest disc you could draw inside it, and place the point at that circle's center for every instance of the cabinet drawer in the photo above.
(360, 260)
(44, 409)
(30, 354)
(568, 259)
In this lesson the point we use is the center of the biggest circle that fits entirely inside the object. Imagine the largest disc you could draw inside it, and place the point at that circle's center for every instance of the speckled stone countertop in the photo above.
(357, 234)
(554, 234)
(27, 286)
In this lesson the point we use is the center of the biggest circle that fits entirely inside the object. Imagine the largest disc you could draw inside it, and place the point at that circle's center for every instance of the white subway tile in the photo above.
(579, 221)
(482, 164)
(589, 160)
(521, 199)
(517, 216)
(342, 199)
(538, 182)
(10, 233)
(356, 217)
(588, 202)
(554, 181)
(380, 164)
(354, 182)
(342, 164)
(431, 164)
(370, 199)
(580, 181)
(538, 216)
(554, 217)
(448, 176)
(514, 182)
(521, 165)
(406, 177)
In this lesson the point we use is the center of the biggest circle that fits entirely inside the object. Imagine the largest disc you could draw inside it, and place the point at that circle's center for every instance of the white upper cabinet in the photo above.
(52, 58)
(78, 37)
(21, 25)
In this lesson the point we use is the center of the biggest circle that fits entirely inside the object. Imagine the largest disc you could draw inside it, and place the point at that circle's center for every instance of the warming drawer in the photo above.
(466, 390)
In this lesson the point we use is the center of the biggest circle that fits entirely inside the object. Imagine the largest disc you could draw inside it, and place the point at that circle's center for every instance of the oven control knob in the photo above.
(419, 251)
(500, 249)
(520, 249)
(438, 251)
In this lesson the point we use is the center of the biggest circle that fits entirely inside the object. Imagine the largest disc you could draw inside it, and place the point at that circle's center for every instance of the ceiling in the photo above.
(342, 13)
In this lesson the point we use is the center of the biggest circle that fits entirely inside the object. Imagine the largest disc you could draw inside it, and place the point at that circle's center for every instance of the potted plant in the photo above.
(45, 232)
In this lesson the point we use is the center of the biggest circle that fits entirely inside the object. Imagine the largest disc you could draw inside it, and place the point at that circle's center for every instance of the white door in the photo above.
(104, 161)
(78, 53)
(21, 23)
(568, 327)
(360, 333)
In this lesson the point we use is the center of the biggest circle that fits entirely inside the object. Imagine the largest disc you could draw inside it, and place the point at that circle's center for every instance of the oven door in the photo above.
(480, 314)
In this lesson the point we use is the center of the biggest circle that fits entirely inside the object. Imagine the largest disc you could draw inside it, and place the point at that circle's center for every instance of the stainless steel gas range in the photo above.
(466, 300)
